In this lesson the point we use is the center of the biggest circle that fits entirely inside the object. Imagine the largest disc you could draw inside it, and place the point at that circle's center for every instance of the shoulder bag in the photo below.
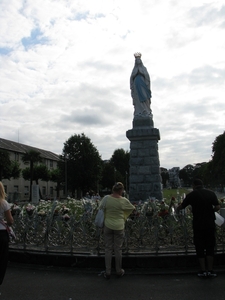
(100, 217)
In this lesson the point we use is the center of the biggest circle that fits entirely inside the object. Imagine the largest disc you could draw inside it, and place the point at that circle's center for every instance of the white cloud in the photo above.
(66, 65)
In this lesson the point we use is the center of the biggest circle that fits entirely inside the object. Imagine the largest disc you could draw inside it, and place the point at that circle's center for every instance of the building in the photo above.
(19, 189)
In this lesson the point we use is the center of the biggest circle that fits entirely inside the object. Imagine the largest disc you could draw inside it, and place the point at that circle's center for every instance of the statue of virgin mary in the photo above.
(140, 89)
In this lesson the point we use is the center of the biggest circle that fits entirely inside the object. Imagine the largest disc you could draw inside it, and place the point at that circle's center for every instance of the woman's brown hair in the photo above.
(118, 187)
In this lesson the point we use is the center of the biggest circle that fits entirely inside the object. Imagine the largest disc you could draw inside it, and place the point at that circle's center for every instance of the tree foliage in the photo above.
(213, 172)
(83, 164)
(120, 162)
(186, 174)
(108, 176)
(58, 177)
(8, 168)
(32, 157)
(165, 177)
(218, 159)
(203, 171)
(39, 172)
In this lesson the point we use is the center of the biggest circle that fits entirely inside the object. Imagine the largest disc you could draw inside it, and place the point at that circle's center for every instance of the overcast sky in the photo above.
(65, 68)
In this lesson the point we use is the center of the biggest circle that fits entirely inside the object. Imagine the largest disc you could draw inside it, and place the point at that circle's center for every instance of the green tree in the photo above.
(58, 177)
(204, 172)
(32, 157)
(39, 172)
(199, 171)
(82, 164)
(108, 176)
(165, 177)
(186, 174)
(218, 159)
(120, 161)
(8, 168)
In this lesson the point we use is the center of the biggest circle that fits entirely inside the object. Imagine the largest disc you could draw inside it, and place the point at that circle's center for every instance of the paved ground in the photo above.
(28, 282)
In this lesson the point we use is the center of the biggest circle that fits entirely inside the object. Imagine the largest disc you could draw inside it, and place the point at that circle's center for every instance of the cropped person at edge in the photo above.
(5, 214)
(204, 203)
(117, 210)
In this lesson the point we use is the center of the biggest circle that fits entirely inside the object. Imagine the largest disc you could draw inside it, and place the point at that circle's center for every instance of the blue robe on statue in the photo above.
(142, 89)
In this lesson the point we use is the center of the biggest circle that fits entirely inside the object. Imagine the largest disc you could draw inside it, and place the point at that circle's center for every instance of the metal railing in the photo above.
(146, 232)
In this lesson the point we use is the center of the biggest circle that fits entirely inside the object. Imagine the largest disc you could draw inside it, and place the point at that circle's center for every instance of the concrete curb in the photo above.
(154, 264)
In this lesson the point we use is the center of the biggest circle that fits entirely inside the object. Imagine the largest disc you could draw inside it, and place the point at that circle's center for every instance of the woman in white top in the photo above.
(5, 215)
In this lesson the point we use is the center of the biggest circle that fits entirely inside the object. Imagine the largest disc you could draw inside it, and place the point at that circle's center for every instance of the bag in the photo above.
(219, 220)
(10, 231)
(100, 217)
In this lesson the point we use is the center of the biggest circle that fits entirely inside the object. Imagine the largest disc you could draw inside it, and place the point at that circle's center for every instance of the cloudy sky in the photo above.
(65, 68)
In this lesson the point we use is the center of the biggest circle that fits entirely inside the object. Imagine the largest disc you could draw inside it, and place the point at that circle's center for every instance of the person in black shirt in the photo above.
(204, 203)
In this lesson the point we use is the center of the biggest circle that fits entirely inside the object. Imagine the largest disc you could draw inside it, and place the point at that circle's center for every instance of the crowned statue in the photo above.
(140, 89)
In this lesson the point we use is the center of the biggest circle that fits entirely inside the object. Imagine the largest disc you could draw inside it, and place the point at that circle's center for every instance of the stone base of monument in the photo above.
(145, 178)
(143, 122)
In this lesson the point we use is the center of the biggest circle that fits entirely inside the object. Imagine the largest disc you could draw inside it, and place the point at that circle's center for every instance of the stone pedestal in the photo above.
(145, 178)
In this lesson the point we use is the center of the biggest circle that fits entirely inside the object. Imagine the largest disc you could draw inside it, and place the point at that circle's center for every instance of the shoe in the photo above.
(121, 274)
(202, 274)
(211, 274)
(106, 276)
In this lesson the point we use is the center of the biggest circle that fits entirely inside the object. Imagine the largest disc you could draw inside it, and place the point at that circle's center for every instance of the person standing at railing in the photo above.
(204, 204)
(117, 209)
(5, 214)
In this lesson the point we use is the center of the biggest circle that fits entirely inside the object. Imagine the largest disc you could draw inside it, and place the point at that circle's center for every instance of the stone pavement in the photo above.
(28, 282)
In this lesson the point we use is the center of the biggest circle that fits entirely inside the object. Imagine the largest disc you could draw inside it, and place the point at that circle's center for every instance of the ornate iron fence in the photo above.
(50, 228)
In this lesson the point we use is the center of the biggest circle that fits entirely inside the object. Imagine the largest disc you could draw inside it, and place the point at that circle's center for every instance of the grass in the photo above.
(176, 193)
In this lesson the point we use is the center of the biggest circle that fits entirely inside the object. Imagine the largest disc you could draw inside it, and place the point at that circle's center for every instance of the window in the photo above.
(26, 190)
(43, 190)
(51, 190)
(17, 156)
(16, 188)
(51, 163)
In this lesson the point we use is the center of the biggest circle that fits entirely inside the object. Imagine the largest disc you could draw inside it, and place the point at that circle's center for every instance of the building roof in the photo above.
(21, 148)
